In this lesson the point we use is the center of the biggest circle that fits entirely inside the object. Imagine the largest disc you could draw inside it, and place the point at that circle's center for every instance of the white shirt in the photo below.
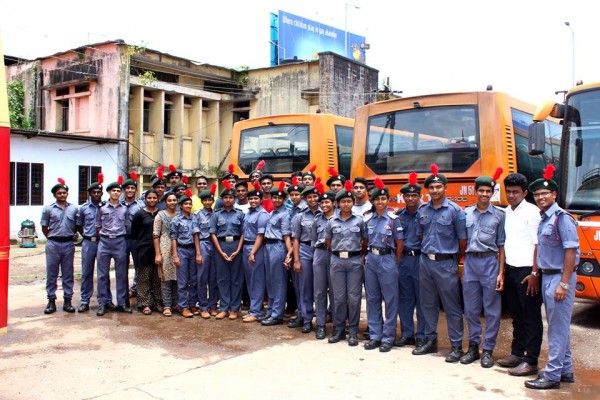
(361, 209)
(521, 228)
(242, 207)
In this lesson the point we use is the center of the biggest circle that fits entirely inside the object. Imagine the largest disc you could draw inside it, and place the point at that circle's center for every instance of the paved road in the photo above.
(65, 356)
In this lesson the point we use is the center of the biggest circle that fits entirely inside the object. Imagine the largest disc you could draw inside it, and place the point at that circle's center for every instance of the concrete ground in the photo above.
(118, 356)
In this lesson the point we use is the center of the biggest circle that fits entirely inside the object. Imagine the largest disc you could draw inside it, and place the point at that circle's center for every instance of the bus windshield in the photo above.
(410, 140)
(284, 148)
(582, 152)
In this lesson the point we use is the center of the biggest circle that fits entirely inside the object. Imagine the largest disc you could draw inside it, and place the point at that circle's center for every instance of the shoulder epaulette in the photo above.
(392, 215)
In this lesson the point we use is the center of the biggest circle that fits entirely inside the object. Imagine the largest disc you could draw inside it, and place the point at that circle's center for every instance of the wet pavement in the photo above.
(81, 356)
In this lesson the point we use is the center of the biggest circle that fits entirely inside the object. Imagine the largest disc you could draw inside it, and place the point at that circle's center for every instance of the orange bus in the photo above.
(465, 134)
(578, 174)
(292, 142)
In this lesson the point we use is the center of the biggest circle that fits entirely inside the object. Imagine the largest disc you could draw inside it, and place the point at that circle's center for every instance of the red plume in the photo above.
(549, 172)
(184, 179)
(160, 168)
(120, 180)
(312, 169)
(497, 174)
(332, 171)
(412, 178)
(317, 181)
(319, 187)
(379, 183)
(348, 185)
(188, 193)
(294, 180)
(281, 186)
(213, 188)
(227, 184)
(61, 181)
(133, 175)
(172, 168)
(260, 165)
(100, 178)
(230, 168)
(434, 169)
(256, 186)
(160, 172)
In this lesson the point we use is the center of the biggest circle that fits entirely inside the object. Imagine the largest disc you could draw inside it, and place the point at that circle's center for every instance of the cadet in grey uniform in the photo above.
(111, 225)
(133, 206)
(557, 258)
(408, 269)
(226, 230)
(384, 234)
(483, 278)
(58, 225)
(344, 236)
(86, 226)
(444, 237)
(295, 204)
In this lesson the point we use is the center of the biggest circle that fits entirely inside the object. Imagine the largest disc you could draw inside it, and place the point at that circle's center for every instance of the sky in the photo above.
(521, 47)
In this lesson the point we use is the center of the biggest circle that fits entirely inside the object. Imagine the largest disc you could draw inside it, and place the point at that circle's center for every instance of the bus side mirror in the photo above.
(537, 138)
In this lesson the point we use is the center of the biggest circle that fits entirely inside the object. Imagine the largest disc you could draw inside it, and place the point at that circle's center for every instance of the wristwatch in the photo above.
(535, 273)
(564, 285)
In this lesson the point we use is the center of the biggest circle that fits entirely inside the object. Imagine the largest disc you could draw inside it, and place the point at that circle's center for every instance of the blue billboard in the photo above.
(299, 38)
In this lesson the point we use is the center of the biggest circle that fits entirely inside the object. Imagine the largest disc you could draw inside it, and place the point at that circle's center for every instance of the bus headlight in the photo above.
(587, 268)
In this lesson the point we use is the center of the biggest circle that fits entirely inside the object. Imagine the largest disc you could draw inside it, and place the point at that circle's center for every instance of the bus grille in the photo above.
(510, 149)
(330, 153)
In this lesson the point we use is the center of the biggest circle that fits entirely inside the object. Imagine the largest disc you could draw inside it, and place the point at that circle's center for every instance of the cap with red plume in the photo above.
(160, 173)
(546, 182)
(209, 194)
(334, 176)
(318, 180)
(173, 171)
(172, 168)
(133, 175)
(487, 181)
(98, 184)
(346, 192)
(320, 188)
(228, 191)
(186, 196)
(296, 187)
(412, 186)
(230, 174)
(279, 190)
(60, 185)
(435, 176)
(116, 185)
(380, 189)
(131, 181)
(295, 180)
(100, 178)
(310, 172)
(256, 190)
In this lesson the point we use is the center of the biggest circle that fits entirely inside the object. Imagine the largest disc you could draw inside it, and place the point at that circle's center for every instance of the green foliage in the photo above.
(242, 74)
(212, 171)
(16, 106)
(132, 49)
(147, 78)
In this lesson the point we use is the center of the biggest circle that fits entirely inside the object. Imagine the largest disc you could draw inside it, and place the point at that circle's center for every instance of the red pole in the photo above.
(4, 201)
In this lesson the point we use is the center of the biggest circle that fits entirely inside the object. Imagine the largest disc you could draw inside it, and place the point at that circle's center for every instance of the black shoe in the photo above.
(455, 354)
(68, 307)
(124, 309)
(271, 321)
(102, 310)
(567, 378)
(320, 334)
(420, 342)
(429, 346)
(295, 323)
(83, 308)
(338, 335)
(261, 318)
(50, 307)
(111, 306)
(307, 327)
(487, 359)
(404, 341)
(372, 344)
(352, 340)
(542, 383)
(385, 347)
(471, 355)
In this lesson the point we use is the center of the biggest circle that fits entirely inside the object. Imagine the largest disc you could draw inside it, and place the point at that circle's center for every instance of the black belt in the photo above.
(321, 246)
(90, 238)
(513, 267)
(62, 239)
(249, 242)
(228, 238)
(440, 257)
(186, 246)
(271, 241)
(346, 254)
(551, 271)
(128, 236)
(111, 236)
(207, 239)
(381, 251)
(413, 253)
(306, 242)
(482, 254)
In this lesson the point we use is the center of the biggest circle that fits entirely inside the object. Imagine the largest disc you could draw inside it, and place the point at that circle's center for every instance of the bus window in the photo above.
(410, 140)
(343, 137)
(284, 148)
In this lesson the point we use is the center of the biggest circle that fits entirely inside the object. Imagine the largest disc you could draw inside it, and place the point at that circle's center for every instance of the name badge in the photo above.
(344, 254)
(229, 238)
